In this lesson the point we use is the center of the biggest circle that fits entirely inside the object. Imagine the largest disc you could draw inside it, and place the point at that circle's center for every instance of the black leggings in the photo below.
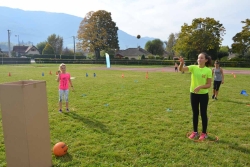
(202, 101)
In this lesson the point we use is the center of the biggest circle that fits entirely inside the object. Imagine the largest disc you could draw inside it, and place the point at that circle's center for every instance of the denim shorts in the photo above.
(63, 94)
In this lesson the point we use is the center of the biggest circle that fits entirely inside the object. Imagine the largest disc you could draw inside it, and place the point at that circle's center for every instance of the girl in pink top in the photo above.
(64, 81)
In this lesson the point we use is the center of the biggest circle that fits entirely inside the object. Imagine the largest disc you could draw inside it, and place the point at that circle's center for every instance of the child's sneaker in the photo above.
(60, 111)
(193, 135)
(213, 96)
(203, 136)
(67, 110)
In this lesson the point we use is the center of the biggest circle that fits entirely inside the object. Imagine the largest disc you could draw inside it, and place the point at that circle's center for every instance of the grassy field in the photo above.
(134, 121)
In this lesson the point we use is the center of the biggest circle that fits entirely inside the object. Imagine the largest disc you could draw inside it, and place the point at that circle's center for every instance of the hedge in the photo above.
(10, 60)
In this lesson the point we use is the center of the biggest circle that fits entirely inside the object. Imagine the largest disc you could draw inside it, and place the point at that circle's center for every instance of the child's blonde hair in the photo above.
(61, 66)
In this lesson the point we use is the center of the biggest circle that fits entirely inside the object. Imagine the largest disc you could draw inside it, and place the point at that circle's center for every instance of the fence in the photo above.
(8, 60)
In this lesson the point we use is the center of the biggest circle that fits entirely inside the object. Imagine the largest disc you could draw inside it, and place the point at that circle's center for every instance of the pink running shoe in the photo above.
(203, 136)
(193, 135)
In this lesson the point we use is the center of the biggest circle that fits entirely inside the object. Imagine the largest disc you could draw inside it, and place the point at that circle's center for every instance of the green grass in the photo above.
(117, 121)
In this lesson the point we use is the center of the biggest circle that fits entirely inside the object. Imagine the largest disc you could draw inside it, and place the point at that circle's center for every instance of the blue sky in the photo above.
(149, 18)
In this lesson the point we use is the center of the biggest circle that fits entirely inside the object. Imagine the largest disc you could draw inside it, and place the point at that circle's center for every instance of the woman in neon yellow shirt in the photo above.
(201, 77)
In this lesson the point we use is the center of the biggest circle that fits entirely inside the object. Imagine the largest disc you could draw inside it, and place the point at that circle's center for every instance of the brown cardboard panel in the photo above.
(26, 124)
(37, 122)
(14, 130)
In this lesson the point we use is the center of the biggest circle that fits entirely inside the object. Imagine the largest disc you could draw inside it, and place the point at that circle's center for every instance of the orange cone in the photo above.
(9, 74)
(122, 76)
(147, 75)
(57, 73)
(234, 76)
(50, 73)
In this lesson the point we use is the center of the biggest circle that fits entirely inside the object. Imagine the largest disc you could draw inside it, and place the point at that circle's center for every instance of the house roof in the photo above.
(133, 52)
(23, 49)
(20, 48)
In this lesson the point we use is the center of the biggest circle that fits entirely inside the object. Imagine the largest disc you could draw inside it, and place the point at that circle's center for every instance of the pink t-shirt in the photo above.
(64, 81)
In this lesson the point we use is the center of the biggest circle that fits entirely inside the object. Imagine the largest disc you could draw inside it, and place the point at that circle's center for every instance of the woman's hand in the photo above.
(181, 60)
(197, 89)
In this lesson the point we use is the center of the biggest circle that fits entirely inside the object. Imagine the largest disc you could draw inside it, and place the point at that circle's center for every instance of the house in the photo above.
(231, 55)
(166, 55)
(26, 50)
(4, 53)
(132, 53)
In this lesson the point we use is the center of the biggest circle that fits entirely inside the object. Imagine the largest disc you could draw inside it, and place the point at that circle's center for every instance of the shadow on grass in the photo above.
(237, 102)
(90, 123)
(235, 147)
(66, 158)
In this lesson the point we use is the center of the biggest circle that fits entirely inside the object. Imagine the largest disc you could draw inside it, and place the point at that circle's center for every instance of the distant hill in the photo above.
(35, 26)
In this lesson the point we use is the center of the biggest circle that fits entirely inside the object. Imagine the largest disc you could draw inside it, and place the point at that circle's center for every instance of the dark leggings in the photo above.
(217, 85)
(202, 101)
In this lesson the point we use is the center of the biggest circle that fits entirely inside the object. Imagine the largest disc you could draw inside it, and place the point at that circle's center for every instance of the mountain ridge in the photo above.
(35, 26)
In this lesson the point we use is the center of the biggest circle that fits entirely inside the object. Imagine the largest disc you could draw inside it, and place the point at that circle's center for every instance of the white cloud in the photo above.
(152, 18)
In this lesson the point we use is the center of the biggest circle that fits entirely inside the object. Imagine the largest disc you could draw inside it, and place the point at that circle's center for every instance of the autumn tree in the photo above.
(241, 40)
(203, 35)
(98, 32)
(56, 42)
(156, 47)
(48, 49)
(170, 44)
(40, 46)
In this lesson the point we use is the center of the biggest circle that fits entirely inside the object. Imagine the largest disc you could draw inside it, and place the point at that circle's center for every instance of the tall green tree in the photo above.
(241, 40)
(156, 47)
(40, 46)
(97, 32)
(223, 52)
(48, 49)
(170, 44)
(56, 42)
(203, 35)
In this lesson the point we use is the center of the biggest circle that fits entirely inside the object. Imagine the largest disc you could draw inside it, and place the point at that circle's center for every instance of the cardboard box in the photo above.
(26, 124)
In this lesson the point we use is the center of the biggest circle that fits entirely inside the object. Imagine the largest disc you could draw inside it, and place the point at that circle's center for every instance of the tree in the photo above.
(241, 40)
(40, 46)
(48, 49)
(170, 44)
(156, 47)
(67, 51)
(223, 52)
(98, 32)
(203, 35)
(56, 42)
